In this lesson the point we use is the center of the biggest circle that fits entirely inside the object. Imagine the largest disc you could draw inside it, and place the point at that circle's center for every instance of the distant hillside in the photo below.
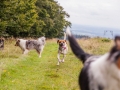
(94, 31)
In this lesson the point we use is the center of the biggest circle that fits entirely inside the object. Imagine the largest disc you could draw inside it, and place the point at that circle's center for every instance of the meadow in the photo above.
(29, 72)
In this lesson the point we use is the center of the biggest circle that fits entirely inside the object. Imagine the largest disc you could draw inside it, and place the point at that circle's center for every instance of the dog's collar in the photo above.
(62, 48)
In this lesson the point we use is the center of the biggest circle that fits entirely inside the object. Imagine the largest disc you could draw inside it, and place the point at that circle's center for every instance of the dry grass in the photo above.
(95, 45)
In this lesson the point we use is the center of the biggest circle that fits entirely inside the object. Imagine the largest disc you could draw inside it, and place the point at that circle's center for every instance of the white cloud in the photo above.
(102, 13)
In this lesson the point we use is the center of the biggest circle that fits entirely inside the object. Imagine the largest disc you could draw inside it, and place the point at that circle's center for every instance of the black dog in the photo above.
(99, 72)
(1, 43)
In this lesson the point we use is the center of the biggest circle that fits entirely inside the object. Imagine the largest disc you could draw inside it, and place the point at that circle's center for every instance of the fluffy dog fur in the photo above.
(2, 43)
(27, 45)
(62, 49)
(99, 72)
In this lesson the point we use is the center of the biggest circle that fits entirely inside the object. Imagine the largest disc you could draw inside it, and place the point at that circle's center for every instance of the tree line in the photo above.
(32, 18)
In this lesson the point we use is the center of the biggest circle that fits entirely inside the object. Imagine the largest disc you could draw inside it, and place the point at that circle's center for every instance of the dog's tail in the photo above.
(77, 50)
(64, 35)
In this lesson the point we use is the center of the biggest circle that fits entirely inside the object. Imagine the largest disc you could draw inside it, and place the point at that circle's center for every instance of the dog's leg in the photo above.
(63, 57)
(25, 52)
(40, 54)
(39, 51)
(58, 56)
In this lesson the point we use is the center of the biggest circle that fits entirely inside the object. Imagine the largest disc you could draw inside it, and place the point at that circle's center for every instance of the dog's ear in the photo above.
(117, 42)
(18, 40)
(58, 41)
(65, 41)
(3, 39)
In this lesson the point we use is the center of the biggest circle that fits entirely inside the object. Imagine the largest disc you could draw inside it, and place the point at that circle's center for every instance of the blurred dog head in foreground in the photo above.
(27, 45)
(99, 72)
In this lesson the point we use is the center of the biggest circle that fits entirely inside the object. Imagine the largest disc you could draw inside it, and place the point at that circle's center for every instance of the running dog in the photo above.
(27, 45)
(99, 72)
(62, 49)
(2, 43)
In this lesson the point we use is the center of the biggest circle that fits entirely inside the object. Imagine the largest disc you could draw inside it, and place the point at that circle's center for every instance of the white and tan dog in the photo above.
(62, 49)
(27, 45)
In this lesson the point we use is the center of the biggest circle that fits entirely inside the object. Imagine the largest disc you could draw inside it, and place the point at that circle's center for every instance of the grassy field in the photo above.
(28, 72)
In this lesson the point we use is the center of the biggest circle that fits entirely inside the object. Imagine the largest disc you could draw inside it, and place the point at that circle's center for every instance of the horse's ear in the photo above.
(58, 41)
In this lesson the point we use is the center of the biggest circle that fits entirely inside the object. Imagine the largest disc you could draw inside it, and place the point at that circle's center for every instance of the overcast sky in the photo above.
(100, 13)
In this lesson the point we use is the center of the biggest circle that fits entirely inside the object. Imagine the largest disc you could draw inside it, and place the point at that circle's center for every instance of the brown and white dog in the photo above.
(2, 43)
(27, 45)
(62, 49)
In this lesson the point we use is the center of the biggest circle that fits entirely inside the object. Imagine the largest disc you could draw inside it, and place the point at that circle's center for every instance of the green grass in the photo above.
(28, 72)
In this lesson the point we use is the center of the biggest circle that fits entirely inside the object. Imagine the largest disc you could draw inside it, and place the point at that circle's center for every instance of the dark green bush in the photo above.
(106, 40)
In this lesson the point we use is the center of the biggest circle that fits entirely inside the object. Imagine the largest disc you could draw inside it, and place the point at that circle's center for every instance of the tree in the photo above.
(19, 16)
(34, 18)
(3, 16)
(51, 19)
(23, 19)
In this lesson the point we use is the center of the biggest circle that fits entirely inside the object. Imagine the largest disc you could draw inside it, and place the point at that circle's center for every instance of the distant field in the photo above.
(20, 72)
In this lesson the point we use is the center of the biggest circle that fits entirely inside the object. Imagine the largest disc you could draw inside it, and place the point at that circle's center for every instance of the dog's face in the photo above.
(61, 42)
(42, 40)
(17, 42)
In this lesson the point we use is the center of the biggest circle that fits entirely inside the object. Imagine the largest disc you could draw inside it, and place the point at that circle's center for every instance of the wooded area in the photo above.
(32, 18)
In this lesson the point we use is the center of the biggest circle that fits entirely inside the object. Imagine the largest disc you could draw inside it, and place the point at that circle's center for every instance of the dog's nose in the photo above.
(61, 44)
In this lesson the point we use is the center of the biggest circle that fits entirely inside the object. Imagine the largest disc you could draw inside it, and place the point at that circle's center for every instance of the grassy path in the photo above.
(33, 73)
